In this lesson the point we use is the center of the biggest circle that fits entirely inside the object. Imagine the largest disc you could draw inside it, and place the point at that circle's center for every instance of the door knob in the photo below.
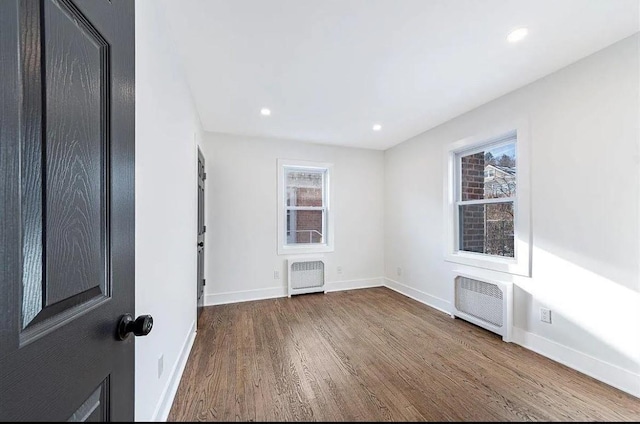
(141, 326)
(201, 244)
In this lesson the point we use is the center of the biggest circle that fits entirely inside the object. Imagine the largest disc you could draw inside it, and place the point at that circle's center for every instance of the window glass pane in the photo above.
(487, 228)
(489, 174)
(304, 187)
(304, 227)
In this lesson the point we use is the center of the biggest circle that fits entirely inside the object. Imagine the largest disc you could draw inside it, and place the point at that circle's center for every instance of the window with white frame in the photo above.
(488, 218)
(303, 205)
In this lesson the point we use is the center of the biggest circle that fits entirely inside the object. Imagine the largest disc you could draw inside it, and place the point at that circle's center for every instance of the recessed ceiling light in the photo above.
(517, 35)
(265, 112)
(377, 127)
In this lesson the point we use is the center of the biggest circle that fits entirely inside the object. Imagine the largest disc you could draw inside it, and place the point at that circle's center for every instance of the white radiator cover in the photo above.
(486, 303)
(305, 275)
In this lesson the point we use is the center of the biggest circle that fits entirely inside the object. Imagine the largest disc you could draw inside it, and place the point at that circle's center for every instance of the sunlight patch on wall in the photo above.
(608, 310)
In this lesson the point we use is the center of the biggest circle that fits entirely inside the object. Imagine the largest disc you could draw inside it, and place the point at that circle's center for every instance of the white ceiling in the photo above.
(330, 69)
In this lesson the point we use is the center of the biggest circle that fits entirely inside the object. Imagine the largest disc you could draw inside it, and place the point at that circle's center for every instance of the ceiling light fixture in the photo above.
(517, 35)
(265, 112)
(377, 127)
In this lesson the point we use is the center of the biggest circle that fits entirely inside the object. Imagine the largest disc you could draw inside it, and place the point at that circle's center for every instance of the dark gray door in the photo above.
(202, 176)
(66, 209)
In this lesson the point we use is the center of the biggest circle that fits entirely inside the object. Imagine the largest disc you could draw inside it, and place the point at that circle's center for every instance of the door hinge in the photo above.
(204, 176)
(204, 228)
(204, 282)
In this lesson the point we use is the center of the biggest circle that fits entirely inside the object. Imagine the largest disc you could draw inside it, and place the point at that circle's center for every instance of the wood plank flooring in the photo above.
(375, 355)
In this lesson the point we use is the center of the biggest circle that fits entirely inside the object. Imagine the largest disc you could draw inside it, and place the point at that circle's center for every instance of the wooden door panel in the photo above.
(76, 146)
(95, 408)
(65, 248)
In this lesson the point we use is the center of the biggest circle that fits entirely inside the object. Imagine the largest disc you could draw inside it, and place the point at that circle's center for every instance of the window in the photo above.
(303, 207)
(486, 198)
(488, 217)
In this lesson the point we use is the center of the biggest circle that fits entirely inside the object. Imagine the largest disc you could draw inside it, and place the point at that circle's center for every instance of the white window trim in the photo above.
(520, 264)
(283, 247)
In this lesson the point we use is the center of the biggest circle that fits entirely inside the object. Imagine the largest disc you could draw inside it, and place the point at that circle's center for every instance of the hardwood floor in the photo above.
(375, 355)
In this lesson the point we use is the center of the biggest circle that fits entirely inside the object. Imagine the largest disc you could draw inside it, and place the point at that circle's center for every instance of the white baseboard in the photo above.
(422, 297)
(166, 399)
(610, 374)
(273, 292)
(244, 296)
(361, 283)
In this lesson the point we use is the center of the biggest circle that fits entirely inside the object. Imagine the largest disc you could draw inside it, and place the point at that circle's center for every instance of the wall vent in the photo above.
(487, 304)
(305, 275)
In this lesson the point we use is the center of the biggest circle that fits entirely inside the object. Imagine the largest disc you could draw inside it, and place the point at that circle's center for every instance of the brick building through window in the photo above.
(486, 200)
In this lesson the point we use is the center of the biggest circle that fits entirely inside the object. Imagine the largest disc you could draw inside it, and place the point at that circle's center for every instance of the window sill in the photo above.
(507, 265)
(296, 250)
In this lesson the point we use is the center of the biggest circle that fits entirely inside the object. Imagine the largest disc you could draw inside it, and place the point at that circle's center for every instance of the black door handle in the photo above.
(141, 326)
(201, 244)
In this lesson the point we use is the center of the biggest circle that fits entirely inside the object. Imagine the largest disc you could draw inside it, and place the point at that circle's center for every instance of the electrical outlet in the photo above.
(399, 271)
(545, 315)
(339, 270)
(276, 275)
(160, 365)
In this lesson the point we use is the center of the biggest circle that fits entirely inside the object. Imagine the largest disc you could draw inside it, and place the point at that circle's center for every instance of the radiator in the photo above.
(305, 275)
(485, 303)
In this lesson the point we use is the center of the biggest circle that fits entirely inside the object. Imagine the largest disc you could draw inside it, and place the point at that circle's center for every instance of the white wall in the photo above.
(166, 122)
(241, 238)
(584, 128)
